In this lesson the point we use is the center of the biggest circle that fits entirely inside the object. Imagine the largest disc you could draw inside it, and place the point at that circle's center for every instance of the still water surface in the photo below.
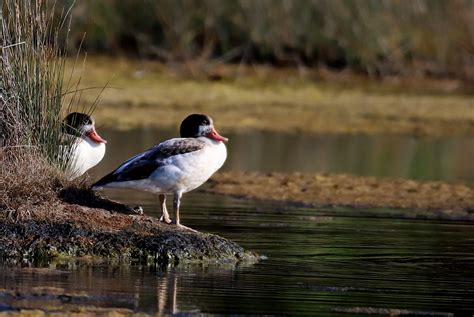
(320, 261)
(445, 158)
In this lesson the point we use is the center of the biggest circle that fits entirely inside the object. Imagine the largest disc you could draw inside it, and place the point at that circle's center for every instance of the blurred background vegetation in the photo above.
(433, 38)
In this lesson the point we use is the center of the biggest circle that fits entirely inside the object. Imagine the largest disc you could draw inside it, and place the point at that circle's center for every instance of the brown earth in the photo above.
(84, 224)
(423, 199)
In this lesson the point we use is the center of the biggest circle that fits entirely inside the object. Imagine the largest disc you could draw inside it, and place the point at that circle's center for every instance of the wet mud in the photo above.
(432, 200)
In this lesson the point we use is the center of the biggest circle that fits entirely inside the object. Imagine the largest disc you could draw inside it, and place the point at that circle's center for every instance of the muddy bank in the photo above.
(431, 200)
(82, 224)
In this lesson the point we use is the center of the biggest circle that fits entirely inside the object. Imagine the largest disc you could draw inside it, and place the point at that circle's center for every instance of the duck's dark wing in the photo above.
(142, 165)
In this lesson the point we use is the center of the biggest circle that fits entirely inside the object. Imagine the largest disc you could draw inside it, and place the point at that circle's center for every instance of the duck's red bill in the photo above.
(93, 135)
(216, 136)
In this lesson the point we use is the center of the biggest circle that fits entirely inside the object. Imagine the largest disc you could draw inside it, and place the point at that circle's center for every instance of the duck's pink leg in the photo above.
(176, 204)
(165, 217)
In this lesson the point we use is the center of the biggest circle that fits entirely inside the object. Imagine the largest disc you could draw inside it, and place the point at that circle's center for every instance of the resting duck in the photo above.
(175, 166)
(87, 147)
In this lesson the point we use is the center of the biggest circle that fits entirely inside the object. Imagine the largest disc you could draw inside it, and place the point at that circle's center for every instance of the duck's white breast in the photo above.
(86, 154)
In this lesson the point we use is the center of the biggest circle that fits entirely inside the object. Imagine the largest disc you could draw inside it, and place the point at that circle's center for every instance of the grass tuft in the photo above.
(33, 100)
(32, 77)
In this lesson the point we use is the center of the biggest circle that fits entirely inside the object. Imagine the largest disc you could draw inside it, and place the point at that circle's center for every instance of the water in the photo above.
(446, 158)
(320, 261)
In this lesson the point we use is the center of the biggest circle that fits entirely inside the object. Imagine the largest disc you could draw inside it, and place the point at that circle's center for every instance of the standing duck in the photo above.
(175, 166)
(87, 148)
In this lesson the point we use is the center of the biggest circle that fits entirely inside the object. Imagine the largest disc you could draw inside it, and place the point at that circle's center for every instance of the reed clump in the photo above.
(31, 101)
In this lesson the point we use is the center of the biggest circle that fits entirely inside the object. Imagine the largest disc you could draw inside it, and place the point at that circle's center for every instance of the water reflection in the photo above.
(70, 285)
(445, 158)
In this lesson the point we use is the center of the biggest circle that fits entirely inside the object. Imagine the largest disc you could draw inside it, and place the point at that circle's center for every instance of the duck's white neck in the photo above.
(86, 154)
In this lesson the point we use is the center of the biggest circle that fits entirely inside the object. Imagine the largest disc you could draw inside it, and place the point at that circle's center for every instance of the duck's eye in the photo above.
(205, 122)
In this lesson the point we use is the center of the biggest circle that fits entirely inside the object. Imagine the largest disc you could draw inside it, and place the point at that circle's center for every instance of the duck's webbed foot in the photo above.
(186, 228)
(166, 220)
